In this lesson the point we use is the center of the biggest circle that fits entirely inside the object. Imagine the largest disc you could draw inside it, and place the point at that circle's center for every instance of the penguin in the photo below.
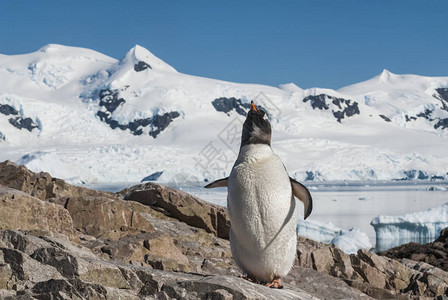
(261, 205)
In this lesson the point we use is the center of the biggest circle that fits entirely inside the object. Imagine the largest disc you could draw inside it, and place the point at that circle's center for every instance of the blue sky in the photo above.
(310, 43)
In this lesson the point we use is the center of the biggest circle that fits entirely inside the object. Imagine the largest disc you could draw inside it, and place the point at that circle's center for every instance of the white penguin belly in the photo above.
(263, 215)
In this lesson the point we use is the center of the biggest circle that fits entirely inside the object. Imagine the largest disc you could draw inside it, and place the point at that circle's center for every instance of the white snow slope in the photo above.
(86, 117)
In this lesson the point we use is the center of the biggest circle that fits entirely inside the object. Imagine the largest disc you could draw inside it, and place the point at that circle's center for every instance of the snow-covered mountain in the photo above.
(86, 117)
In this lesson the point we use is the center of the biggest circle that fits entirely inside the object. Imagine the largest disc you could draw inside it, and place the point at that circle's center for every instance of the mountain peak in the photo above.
(290, 87)
(386, 75)
(50, 47)
(139, 54)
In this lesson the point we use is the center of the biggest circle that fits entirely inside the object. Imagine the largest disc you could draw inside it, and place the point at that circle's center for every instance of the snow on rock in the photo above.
(142, 59)
(349, 241)
(421, 227)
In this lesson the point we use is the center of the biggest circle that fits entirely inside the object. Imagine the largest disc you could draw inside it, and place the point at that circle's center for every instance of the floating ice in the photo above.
(349, 241)
(422, 227)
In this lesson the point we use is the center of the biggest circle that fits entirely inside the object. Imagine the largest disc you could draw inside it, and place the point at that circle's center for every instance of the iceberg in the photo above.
(421, 227)
(349, 241)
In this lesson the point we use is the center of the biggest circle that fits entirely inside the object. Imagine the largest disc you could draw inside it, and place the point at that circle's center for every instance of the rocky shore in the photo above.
(435, 253)
(59, 241)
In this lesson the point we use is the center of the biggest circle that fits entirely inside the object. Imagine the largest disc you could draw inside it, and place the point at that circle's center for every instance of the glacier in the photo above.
(349, 241)
(421, 227)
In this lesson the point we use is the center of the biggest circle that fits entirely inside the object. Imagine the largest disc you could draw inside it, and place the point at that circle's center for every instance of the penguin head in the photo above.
(256, 128)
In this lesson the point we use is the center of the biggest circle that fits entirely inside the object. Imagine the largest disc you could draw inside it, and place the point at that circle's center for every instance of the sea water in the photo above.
(355, 204)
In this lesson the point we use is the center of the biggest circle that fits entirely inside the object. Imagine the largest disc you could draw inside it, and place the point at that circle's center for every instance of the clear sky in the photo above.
(310, 43)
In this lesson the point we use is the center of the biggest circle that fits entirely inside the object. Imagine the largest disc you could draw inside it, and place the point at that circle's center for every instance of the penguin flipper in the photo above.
(217, 183)
(302, 193)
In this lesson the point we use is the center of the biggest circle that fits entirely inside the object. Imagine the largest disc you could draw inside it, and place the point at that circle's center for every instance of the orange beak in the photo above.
(253, 106)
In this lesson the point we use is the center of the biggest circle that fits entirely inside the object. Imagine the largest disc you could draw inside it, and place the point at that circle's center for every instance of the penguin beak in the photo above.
(253, 106)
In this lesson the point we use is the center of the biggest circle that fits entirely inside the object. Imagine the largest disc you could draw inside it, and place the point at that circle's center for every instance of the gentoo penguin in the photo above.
(261, 205)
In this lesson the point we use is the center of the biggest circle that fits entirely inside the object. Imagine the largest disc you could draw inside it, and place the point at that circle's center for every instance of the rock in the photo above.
(110, 100)
(369, 273)
(305, 248)
(229, 104)
(57, 270)
(374, 275)
(242, 289)
(78, 274)
(219, 294)
(95, 271)
(343, 267)
(322, 260)
(26, 123)
(443, 238)
(435, 253)
(374, 292)
(5, 294)
(66, 289)
(40, 185)
(5, 274)
(321, 285)
(428, 279)
(100, 216)
(24, 267)
(21, 211)
(164, 255)
(182, 206)
(97, 246)
(199, 246)
(340, 107)
(141, 65)
(156, 251)
(160, 284)
(129, 249)
(25, 242)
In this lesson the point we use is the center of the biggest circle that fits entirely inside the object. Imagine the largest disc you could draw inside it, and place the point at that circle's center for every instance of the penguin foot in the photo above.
(276, 283)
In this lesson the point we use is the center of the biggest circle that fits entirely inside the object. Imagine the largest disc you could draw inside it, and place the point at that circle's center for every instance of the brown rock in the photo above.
(443, 237)
(104, 217)
(40, 185)
(437, 285)
(20, 211)
(127, 249)
(435, 253)
(374, 292)
(305, 247)
(164, 255)
(370, 274)
(342, 265)
(377, 276)
(5, 275)
(98, 272)
(148, 249)
(400, 275)
(322, 260)
(182, 206)
(321, 285)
